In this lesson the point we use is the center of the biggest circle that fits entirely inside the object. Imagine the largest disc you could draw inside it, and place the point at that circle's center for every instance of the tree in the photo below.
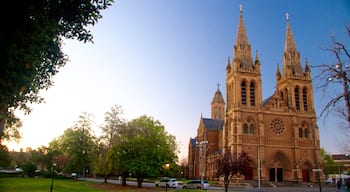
(229, 166)
(337, 73)
(145, 147)
(30, 47)
(329, 167)
(112, 128)
(79, 145)
(4, 156)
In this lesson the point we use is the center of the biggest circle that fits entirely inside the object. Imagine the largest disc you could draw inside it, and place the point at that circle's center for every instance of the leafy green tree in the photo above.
(5, 160)
(39, 157)
(145, 147)
(111, 130)
(328, 164)
(79, 145)
(31, 47)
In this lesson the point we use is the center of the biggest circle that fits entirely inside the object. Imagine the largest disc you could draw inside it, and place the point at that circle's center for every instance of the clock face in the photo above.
(277, 126)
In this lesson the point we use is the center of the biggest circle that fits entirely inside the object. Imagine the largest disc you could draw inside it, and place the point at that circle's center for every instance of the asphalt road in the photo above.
(237, 189)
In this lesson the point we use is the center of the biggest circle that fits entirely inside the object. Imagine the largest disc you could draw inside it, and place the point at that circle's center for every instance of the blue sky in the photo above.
(165, 59)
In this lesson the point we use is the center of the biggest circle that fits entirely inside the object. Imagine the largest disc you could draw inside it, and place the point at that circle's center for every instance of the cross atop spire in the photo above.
(240, 7)
(287, 16)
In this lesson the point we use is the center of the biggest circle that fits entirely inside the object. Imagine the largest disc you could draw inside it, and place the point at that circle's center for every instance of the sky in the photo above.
(165, 59)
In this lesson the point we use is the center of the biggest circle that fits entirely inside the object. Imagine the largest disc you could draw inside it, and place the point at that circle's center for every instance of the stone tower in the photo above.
(218, 106)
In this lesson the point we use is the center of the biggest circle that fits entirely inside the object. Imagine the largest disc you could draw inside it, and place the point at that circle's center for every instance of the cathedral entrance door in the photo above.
(276, 174)
(279, 174)
(248, 173)
(305, 175)
(272, 174)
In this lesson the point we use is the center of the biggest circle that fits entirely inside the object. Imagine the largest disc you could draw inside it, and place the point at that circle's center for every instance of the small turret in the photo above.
(218, 105)
(228, 66)
(278, 73)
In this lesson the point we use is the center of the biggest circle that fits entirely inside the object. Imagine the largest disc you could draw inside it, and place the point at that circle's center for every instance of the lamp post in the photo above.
(167, 166)
(53, 174)
(202, 152)
(317, 161)
(259, 161)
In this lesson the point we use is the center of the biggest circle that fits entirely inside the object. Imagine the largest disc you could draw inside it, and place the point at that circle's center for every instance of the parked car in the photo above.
(196, 184)
(75, 175)
(169, 182)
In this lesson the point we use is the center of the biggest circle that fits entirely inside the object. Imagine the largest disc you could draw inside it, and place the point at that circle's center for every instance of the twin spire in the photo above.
(242, 51)
(242, 55)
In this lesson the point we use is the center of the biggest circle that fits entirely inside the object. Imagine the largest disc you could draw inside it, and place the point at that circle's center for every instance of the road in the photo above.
(235, 189)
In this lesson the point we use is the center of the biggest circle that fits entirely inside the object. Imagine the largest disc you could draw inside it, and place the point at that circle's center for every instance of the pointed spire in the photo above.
(257, 60)
(307, 66)
(278, 73)
(289, 44)
(242, 52)
(218, 98)
(291, 57)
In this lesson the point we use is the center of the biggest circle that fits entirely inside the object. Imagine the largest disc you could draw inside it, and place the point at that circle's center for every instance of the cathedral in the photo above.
(279, 134)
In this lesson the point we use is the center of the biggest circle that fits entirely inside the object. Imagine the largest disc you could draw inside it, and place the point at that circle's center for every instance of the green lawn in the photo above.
(14, 184)
(17, 184)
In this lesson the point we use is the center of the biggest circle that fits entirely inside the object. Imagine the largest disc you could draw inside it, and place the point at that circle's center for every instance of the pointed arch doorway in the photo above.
(278, 166)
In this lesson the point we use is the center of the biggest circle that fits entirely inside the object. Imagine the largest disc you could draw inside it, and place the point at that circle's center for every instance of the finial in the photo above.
(240, 7)
(287, 16)
(218, 85)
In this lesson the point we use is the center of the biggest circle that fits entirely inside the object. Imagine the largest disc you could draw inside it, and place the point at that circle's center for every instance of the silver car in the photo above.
(196, 184)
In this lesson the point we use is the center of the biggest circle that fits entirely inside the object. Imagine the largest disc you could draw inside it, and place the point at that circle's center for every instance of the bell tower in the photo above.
(294, 84)
(243, 89)
(218, 106)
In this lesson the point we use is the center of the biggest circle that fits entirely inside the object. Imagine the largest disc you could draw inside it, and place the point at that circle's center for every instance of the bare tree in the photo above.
(337, 73)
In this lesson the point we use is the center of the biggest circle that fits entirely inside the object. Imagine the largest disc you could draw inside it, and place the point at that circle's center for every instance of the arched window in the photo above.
(252, 94)
(245, 129)
(305, 99)
(251, 129)
(306, 133)
(297, 101)
(300, 132)
(244, 93)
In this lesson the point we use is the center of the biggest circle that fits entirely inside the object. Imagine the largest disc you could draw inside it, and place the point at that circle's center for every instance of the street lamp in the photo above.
(317, 161)
(53, 174)
(202, 152)
(167, 166)
(259, 163)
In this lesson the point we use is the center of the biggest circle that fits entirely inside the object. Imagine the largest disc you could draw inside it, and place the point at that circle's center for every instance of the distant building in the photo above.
(342, 161)
(279, 133)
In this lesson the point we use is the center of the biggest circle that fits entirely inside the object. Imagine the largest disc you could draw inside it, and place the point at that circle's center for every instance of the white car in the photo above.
(167, 182)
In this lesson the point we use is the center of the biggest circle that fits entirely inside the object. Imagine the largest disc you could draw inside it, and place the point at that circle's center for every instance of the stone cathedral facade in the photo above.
(279, 133)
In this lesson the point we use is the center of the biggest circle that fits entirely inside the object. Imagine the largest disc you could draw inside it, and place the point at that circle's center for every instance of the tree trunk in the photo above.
(124, 175)
(106, 177)
(226, 183)
(3, 114)
(139, 182)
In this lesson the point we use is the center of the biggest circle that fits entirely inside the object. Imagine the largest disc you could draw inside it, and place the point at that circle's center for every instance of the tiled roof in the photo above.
(213, 124)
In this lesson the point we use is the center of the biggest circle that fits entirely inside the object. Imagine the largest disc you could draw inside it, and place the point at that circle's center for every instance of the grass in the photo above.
(16, 184)
(40, 185)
